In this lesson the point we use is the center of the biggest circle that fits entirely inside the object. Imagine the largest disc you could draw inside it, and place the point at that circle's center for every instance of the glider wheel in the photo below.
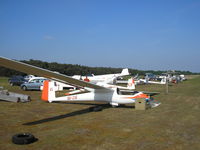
(97, 108)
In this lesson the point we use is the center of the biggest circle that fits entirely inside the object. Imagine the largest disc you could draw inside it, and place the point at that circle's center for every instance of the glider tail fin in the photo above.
(131, 84)
(164, 80)
(125, 72)
(48, 92)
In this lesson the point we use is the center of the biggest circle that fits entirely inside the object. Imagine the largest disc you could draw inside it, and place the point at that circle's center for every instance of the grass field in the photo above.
(174, 125)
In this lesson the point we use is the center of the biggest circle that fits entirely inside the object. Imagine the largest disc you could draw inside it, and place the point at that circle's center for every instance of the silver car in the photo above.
(33, 84)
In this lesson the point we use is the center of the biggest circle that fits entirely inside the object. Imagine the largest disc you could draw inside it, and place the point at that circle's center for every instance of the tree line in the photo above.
(70, 69)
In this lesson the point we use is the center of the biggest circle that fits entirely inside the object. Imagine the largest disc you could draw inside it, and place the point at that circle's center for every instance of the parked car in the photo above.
(28, 77)
(33, 84)
(150, 76)
(16, 80)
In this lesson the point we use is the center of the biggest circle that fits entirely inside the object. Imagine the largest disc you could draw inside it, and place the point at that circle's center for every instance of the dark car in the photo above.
(16, 80)
(150, 76)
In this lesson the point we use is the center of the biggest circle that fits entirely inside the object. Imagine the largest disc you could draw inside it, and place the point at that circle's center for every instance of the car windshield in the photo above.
(37, 81)
(41, 80)
(33, 81)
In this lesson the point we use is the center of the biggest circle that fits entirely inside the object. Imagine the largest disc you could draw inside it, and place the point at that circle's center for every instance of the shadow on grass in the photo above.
(125, 106)
(103, 105)
(75, 113)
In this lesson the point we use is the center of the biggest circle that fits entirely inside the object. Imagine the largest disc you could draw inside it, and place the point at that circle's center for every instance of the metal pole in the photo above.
(167, 86)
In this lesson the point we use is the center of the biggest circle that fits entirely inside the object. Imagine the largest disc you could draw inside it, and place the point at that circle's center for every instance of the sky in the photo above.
(138, 34)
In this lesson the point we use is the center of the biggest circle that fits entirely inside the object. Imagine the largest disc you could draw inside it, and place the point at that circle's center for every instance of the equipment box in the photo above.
(141, 104)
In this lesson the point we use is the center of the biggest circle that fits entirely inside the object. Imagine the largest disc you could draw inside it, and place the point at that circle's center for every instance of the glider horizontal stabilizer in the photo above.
(151, 93)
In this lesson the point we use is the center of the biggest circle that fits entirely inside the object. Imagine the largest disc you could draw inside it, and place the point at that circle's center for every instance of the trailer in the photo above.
(5, 95)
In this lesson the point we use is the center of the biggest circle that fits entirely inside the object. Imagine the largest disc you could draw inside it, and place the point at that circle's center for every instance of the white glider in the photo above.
(93, 92)
(107, 78)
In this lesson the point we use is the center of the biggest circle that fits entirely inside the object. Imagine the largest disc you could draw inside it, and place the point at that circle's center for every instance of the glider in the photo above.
(92, 92)
(106, 78)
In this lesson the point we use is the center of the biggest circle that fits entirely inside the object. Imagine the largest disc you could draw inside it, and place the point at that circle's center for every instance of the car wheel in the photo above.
(12, 84)
(24, 88)
(23, 138)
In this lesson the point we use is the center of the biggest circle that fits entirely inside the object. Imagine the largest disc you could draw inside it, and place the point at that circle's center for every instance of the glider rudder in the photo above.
(45, 91)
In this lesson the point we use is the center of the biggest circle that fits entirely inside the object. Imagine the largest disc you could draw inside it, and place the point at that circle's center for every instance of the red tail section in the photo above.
(131, 83)
(45, 91)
